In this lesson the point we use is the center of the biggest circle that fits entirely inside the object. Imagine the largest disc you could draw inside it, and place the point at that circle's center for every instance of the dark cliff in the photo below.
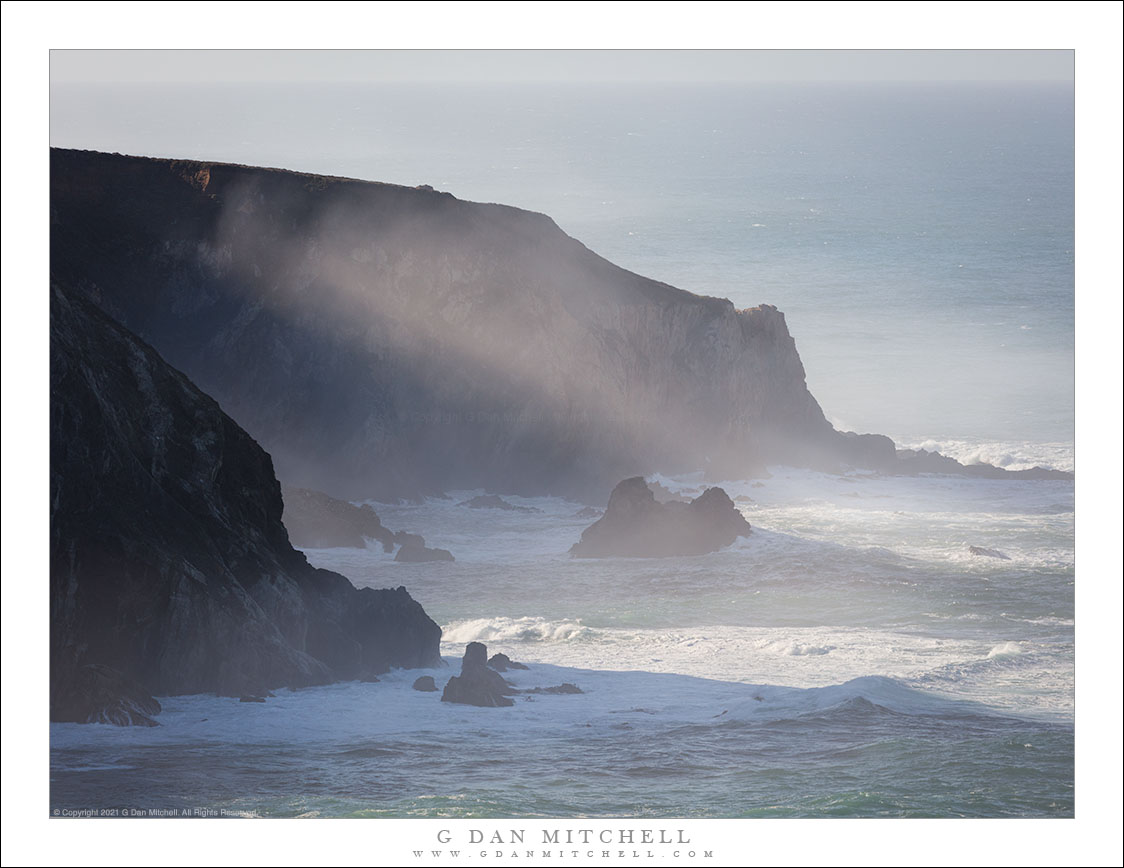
(389, 341)
(168, 559)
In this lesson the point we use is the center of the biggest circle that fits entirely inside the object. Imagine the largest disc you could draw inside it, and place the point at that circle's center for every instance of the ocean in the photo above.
(851, 658)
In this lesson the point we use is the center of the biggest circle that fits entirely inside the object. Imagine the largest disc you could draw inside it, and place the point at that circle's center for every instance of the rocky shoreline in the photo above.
(170, 569)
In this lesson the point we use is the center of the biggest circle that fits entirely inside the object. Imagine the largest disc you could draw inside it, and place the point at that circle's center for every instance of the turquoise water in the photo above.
(850, 658)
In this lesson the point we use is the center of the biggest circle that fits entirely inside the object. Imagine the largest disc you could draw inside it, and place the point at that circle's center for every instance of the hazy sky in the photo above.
(103, 66)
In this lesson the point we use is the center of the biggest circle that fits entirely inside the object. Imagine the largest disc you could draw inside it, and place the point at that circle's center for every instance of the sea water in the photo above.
(849, 658)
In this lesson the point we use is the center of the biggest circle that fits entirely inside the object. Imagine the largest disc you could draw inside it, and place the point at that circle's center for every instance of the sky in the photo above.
(610, 65)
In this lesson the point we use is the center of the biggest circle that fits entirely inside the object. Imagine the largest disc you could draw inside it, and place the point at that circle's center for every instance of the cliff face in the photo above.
(388, 341)
(169, 561)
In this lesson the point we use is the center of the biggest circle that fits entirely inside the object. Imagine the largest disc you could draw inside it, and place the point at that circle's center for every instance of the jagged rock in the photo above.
(635, 525)
(415, 554)
(477, 684)
(317, 520)
(426, 684)
(565, 688)
(981, 552)
(501, 663)
(168, 559)
(99, 694)
(494, 501)
(589, 512)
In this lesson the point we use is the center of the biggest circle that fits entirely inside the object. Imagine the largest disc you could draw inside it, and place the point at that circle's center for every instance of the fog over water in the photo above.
(851, 656)
(918, 237)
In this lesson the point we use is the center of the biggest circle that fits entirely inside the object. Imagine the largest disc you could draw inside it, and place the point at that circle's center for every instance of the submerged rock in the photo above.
(981, 552)
(589, 512)
(477, 684)
(251, 699)
(561, 689)
(494, 501)
(426, 684)
(636, 525)
(910, 462)
(413, 553)
(501, 663)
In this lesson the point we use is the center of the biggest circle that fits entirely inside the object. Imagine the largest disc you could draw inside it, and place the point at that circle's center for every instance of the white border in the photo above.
(1093, 29)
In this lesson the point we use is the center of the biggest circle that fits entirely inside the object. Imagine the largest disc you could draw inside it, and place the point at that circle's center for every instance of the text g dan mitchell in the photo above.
(565, 836)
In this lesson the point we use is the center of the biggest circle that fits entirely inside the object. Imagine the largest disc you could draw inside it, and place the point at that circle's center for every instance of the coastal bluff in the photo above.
(390, 341)
(170, 569)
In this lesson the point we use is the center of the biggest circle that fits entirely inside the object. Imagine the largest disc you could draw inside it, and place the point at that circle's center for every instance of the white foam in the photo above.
(844, 576)
(1010, 455)
(782, 702)
(1007, 649)
(512, 630)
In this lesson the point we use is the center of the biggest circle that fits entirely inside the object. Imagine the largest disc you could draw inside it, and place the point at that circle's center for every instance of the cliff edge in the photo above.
(170, 568)
(392, 341)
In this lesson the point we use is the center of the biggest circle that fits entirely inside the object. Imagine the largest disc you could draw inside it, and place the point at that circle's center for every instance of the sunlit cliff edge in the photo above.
(390, 341)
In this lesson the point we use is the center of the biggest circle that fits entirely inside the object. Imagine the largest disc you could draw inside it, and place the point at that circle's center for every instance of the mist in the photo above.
(605, 350)
(947, 207)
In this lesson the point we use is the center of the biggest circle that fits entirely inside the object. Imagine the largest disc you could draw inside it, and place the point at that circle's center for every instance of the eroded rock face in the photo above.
(390, 342)
(318, 520)
(317, 312)
(169, 561)
(98, 694)
(477, 684)
(636, 525)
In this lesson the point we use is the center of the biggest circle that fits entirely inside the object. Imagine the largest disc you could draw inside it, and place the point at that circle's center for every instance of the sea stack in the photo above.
(477, 684)
(635, 525)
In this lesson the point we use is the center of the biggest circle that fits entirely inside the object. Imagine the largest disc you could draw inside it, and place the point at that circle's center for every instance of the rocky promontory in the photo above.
(170, 569)
(636, 525)
(317, 520)
(386, 341)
